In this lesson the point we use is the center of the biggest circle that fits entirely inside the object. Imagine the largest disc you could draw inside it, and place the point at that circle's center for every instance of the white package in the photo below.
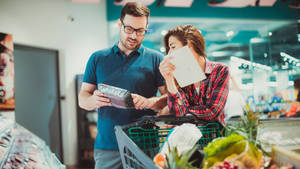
(187, 69)
(184, 137)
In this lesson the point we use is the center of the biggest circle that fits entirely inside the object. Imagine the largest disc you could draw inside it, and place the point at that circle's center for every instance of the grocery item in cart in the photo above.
(234, 149)
(184, 137)
(139, 144)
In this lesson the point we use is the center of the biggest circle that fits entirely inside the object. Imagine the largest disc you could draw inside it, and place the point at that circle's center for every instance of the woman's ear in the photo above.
(190, 45)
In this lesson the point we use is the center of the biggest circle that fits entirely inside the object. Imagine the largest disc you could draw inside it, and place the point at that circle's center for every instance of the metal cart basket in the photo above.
(139, 142)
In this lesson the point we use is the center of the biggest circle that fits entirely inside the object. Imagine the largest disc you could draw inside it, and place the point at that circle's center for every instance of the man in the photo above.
(127, 65)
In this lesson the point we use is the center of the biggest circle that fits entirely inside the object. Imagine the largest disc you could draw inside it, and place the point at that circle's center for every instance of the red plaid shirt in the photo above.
(210, 102)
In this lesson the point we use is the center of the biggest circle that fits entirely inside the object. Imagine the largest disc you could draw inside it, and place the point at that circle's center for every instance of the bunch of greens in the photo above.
(180, 161)
(248, 128)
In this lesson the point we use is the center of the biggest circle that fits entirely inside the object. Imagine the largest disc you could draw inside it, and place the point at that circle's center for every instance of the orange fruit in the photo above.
(159, 160)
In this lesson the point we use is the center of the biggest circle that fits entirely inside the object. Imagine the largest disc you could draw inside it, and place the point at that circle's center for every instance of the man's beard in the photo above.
(127, 46)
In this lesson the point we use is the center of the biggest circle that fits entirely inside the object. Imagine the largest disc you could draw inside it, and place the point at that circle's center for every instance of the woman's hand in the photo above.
(141, 102)
(166, 69)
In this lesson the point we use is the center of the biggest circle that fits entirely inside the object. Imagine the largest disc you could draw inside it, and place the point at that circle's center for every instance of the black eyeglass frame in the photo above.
(131, 30)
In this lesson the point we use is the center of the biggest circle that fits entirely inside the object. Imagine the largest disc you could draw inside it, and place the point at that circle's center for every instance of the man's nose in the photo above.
(133, 35)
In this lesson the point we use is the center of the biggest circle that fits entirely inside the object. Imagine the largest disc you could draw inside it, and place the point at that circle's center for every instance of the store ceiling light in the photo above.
(219, 54)
(270, 33)
(144, 2)
(179, 3)
(163, 49)
(86, 1)
(163, 32)
(289, 57)
(257, 40)
(230, 33)
(239, 54)
(254, 64)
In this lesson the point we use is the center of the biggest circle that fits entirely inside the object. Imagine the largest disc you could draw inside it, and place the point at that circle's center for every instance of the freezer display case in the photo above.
(19, 148)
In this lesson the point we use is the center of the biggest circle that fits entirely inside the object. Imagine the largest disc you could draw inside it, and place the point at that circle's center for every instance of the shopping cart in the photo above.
(139, 142)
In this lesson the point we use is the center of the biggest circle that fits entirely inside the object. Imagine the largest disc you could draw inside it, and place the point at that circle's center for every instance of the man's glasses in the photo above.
(130, 30)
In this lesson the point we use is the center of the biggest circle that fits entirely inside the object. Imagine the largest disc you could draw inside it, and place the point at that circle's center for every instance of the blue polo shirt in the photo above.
(137, 73)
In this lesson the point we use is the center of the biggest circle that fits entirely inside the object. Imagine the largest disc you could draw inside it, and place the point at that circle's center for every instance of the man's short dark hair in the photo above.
(136, 9)
(297, 84)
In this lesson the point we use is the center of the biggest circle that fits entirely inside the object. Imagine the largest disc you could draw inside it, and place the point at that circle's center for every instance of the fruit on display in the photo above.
(239, 149)
(159, 160)
(220, 143)
(227, 165)
(234, 149)
(174, 160)
(286, 166)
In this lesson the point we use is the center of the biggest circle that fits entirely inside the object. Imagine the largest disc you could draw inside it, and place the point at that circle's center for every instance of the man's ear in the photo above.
(119, 23)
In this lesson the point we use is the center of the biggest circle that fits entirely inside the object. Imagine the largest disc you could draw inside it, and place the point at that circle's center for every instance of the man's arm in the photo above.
(90, 98)
(161, 101)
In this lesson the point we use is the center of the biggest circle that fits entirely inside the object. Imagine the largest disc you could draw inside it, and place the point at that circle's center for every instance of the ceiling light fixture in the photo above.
(254, 64)
(219, 53)
(163, 32)
(289, 57)
(270, 33)
(230, 33)
(257, 40)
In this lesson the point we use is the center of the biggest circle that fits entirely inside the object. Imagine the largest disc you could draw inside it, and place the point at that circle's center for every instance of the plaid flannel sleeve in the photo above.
(179, 105)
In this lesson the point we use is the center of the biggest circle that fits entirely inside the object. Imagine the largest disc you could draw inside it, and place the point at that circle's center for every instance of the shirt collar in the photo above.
(137, 52)
(209, 66)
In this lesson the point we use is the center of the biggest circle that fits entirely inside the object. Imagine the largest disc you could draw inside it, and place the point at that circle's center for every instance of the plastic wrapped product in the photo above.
(120, 98)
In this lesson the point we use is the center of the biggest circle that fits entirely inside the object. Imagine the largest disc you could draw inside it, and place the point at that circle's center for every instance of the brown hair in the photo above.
(185, 34)
(135, 9)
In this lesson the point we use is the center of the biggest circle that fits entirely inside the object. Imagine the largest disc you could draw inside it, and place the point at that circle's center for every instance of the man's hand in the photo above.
(98, 100)
(90, 98)
(141, 102)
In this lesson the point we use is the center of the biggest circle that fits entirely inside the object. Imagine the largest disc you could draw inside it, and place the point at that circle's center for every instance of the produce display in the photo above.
(239, 148)
(234, 150)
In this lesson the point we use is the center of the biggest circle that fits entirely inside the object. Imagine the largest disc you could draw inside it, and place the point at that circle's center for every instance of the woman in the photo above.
(206, 99)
